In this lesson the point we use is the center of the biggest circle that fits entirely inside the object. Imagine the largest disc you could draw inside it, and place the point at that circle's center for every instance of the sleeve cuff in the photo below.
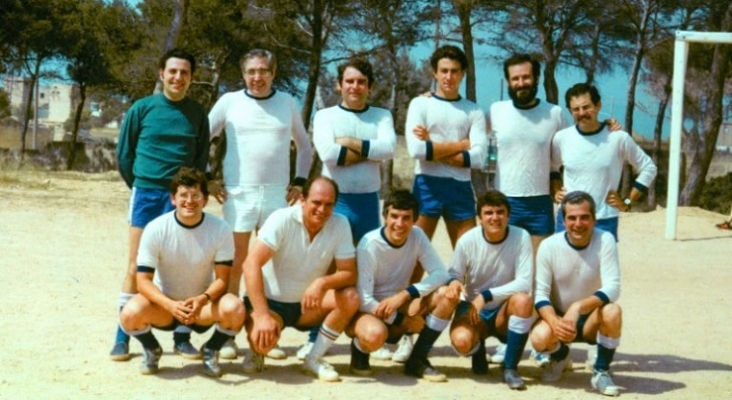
(342, 156)
(145, 270)
(487, 295)
(429, 152)
(641, 187)
(541, 304)
(466, 159)
(228, 263)
(413, 292)
(602, 296)
(365, 148)
(555, 175)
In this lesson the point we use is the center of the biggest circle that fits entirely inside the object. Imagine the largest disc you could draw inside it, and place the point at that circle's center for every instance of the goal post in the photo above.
(681, 52)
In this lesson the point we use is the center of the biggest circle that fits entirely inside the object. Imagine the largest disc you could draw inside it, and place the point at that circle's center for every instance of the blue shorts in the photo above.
(361, 210)
(148, 204)
(533, 213)
(289, 312)
(176, 323)
(606, 224)
(444, 197)
(487, 316)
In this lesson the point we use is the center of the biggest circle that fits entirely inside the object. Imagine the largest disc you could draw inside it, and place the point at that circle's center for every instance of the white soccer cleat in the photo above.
(402, 353)
(321, 369)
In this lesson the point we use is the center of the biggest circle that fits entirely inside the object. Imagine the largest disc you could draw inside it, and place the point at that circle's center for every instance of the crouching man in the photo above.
(295, 289)
(577, 285)
(183, 269)
(493, 267)
(390, 306)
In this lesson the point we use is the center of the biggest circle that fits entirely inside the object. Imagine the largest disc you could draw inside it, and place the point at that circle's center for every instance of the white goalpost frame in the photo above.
(681, 52)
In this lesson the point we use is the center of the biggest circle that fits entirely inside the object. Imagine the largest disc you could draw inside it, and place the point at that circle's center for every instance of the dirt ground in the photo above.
(63, 249)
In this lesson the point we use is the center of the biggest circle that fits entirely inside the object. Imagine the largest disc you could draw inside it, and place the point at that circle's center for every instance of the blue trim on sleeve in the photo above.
(555, 175)
(342, 156)
(602, 296)
(145, 269)
(466, 159)
(449, 281)
(542, 304)
(228, 263)
(429, 153)
(487, 295)
(641, 187)
(413, 292)
(365, 147)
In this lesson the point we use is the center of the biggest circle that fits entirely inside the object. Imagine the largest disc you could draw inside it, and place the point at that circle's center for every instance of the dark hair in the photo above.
(189, 177)
(362, 65)
(401, 199)
(178, 53)
(578, 197)
(580, 89)
(311, 181)
(259, 53)
(492, 198)
(451, 52)
(520, 58)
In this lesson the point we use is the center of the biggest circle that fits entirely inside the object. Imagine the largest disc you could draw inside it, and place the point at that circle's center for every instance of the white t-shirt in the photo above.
(297, 262)
(258, 134)
(593, 163)
(446, 121)
(184, 257)
(565, 274)
(384, 270)
(374, 126)
(504, 268)
(524, 138)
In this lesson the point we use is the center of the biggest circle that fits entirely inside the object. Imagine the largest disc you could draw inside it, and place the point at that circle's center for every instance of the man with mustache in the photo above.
(593, 159)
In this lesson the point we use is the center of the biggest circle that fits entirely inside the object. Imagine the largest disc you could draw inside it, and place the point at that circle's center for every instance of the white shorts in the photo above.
(247, 207)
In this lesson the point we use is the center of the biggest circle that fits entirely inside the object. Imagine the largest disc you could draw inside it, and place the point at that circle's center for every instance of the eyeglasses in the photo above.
(260, 71)
(190, 197)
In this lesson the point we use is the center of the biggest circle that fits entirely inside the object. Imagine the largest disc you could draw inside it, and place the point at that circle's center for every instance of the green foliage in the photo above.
(717, 194)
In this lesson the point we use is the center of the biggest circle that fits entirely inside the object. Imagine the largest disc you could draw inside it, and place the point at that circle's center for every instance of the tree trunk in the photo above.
(700, 149)
(180, 18)
(28, 106)
(550, 82)
(657, 142)
(464, 9)
(75, 131)
(314, 64)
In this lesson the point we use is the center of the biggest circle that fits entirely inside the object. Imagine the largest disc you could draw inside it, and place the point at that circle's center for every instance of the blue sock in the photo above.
(560, 354)
(604, 358)
(148, 340)
(217, 340)
(121, 336)
(313, 334)
(181, 337)
(515, 343)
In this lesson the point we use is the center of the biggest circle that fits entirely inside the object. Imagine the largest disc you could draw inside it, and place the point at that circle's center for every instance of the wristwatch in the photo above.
(627, 202)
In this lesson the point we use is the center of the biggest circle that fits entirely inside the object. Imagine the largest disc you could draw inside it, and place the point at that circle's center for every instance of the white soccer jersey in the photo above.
(374, 126)
(297, 261)
(593, 163)
(384, 270)
(258, 134)
(565, 274)
(524, 138)
(446, 121)
(504, 268)
(184, 257)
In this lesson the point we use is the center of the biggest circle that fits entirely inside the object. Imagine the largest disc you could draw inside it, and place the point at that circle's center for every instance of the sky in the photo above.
(612, 87)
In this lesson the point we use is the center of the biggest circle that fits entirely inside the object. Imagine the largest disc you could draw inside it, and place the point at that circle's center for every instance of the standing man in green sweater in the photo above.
(160, 134)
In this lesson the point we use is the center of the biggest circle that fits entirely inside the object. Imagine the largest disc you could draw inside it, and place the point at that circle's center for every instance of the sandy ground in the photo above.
(64, 244)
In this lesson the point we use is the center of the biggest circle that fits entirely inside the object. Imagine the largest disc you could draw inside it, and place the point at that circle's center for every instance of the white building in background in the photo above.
(724, 140)
(55, 100)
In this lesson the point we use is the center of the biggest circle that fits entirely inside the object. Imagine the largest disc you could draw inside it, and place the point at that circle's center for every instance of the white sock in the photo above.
(326, 338)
